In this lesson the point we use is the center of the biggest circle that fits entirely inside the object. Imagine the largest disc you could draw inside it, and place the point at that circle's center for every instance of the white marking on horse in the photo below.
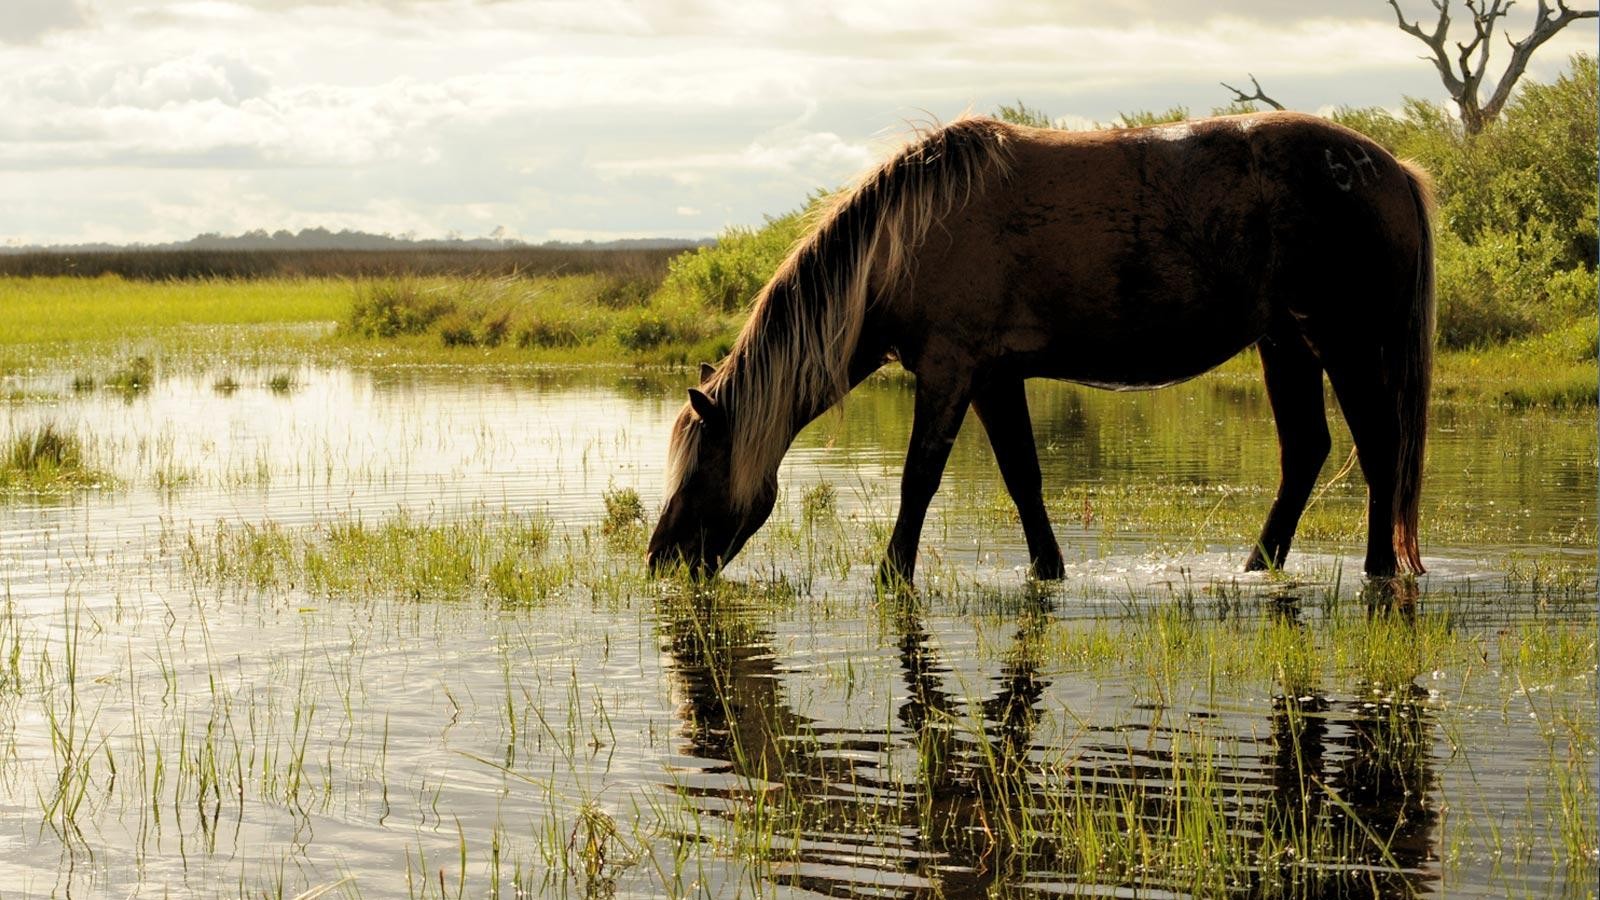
(1364, 161)
(1177, 131)
(1340, 172)
(1359, 168)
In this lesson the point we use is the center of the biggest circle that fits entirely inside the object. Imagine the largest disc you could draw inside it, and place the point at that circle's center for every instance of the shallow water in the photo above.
(170, 733)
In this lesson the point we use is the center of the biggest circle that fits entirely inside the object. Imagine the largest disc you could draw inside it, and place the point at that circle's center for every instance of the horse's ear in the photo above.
(706, 408)
(706, 371)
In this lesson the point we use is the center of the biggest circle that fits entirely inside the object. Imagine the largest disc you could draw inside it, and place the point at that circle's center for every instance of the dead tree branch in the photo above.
(1463, 74)
(1241, 97)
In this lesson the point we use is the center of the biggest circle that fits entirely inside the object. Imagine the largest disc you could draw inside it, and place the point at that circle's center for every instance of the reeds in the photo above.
(207, 265)
(46, 459)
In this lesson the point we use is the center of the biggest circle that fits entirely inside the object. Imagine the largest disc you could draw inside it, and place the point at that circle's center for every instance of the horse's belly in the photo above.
(1153, 353)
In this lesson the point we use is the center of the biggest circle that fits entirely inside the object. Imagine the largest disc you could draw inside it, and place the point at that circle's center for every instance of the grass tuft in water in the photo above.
(398, 557)
(624, 512)
(46, 460)
(135, 377)
(819, 503)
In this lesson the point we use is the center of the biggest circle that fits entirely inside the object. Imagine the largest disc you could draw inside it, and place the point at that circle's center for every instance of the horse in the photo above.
(985, 253)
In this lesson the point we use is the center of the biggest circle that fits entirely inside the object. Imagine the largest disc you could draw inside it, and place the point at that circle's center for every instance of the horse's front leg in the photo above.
(941, 404)
(1002, 407)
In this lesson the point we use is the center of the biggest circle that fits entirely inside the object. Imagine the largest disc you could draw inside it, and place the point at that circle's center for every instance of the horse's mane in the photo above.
(791, 360)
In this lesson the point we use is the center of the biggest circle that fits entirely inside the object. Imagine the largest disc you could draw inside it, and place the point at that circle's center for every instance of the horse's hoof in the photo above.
(1260, 562)
(892, 576)
(1052, 569)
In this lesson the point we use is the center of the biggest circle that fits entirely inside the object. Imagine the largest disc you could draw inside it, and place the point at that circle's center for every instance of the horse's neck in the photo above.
(778, 386)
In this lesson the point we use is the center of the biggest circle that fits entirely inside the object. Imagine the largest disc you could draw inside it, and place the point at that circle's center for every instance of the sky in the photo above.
(156, 120)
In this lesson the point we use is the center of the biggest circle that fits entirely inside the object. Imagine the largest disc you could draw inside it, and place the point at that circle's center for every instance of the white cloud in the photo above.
(162, 117)
(26, 21)
(816, 152)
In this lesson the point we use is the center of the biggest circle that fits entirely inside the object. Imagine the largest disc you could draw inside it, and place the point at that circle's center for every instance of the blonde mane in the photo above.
(791, 360)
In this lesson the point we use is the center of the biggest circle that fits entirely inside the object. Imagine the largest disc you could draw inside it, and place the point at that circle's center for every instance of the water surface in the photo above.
(801, 735)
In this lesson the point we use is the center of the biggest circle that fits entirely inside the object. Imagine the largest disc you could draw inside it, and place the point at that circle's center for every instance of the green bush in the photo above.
(728, 275)
(1515, 226)
(455, 330)
(1494, 290)
(651, 327)
(623, 291)
(624, 511)
(547, 329)
(389, 307)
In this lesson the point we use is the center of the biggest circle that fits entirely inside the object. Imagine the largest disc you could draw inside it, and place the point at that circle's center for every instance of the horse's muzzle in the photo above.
(664, 560)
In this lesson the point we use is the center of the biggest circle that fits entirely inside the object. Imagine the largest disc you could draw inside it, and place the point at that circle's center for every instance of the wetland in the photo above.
(384, 630)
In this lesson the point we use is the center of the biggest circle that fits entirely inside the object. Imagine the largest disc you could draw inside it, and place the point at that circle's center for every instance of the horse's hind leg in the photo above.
(1371, 412)
(1294, 387)
(941, 404)
(1002, 407)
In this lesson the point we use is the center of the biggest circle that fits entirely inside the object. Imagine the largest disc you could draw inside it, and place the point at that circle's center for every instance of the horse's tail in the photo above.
(1412, 370)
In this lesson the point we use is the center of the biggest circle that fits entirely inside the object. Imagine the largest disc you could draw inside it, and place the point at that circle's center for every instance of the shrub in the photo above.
(455, 330)
(1488, 294)
(393, 307)
(1515, 228)
(728, 275)
(623, 291)
(645, 331)
(653, 326)
(819, 502)
(555, 328)
(492, 330)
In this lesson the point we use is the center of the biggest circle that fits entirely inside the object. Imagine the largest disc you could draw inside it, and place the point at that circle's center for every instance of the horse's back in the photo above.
(1142, 256)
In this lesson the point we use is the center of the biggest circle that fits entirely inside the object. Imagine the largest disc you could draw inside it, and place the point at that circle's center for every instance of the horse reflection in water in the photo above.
(979, 812)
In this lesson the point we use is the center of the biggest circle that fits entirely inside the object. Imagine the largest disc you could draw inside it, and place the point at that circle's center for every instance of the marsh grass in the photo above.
(396, 557)
(1154, 798)
(1184, 517)
(624, 513)
(560, 316)
(1177, 759)
(47, 460)
(98, 317)
(265, 264)
(574, 316)
(1556, 369)
(134, 377)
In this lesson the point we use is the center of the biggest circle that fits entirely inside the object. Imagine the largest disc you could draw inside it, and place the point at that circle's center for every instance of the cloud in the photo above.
(148, 85)
(26, 21)
(791, 155)
(595, 116)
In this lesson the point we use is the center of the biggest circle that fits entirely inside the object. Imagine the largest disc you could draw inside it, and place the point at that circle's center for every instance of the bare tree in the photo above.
(1241, 97)
(1463, 75)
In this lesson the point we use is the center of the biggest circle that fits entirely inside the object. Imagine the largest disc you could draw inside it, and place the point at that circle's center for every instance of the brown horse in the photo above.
(985, 254)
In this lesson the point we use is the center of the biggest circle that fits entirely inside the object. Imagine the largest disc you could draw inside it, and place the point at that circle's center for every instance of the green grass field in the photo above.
(73, 323)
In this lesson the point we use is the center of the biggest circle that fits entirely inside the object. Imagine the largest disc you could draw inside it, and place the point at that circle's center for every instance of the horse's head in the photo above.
(704, 524)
